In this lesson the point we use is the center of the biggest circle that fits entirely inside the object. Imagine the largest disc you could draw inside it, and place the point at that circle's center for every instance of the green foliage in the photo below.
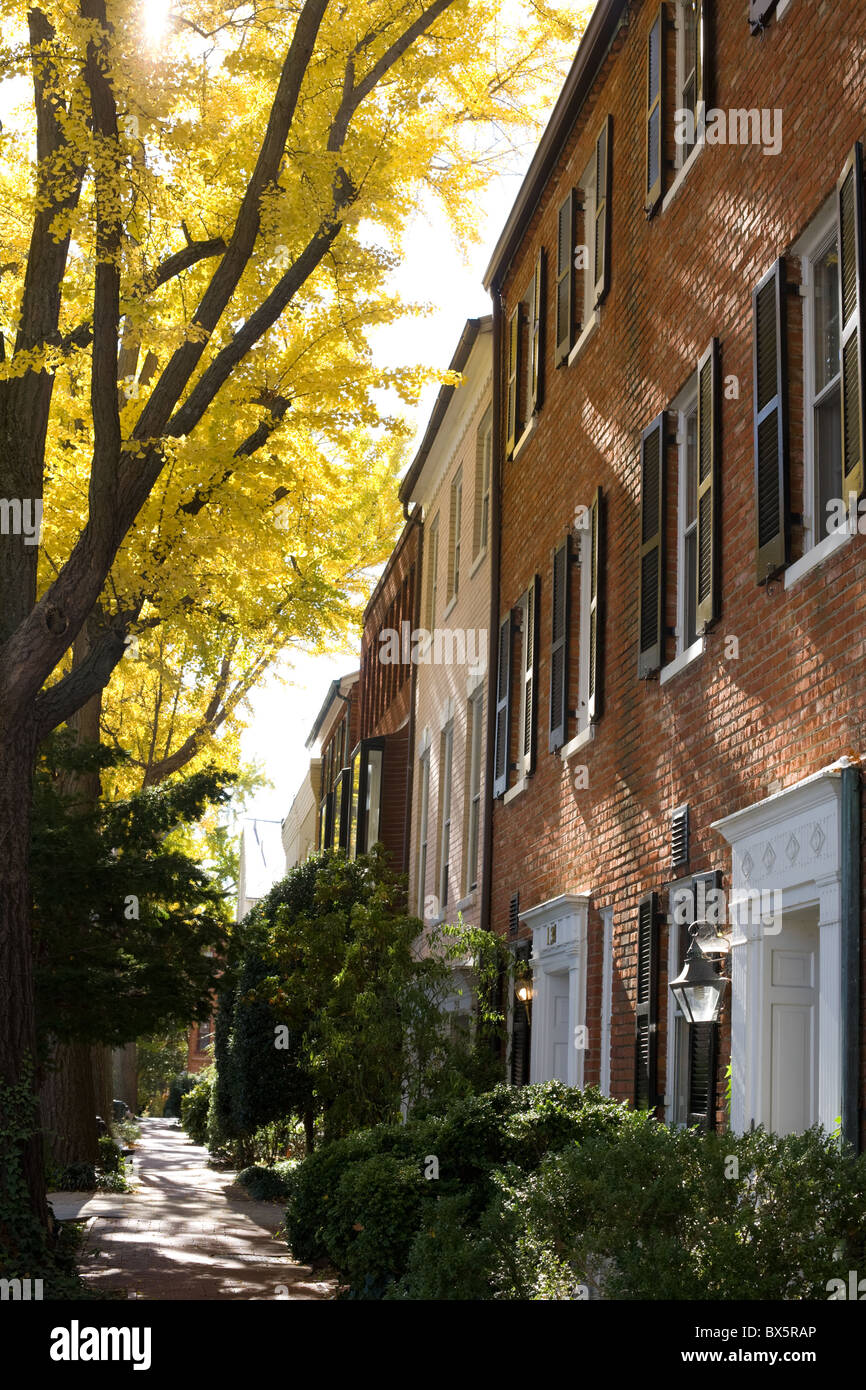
(329, 966)
(544, 1188)
(110, 1157)
(179, 1086)
(123, 923)
(372, 1220)
(160, 1057)
(267, 1184)
(195, 1106)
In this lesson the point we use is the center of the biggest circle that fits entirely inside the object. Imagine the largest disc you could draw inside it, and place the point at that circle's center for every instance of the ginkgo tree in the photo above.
(197, 238)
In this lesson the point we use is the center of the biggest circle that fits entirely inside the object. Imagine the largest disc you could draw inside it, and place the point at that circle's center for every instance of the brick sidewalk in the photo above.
(182, 1234)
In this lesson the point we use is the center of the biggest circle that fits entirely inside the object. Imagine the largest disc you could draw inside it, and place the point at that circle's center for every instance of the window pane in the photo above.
(691, 469)
(826, 272)
(374, 795)
(691, 581)
(828, 456)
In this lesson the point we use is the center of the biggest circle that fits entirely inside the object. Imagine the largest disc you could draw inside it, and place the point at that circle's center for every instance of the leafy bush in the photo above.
(372, 1221)
(77, 1177)
(110, 1157)
(179, 1086)
(544, 1188)
(267, 1184)
(194, 1107)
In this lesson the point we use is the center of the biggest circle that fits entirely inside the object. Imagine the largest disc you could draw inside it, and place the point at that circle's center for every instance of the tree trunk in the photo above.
(125, 1074)
(17, 1016)
(69, 1105)
(309, 1130)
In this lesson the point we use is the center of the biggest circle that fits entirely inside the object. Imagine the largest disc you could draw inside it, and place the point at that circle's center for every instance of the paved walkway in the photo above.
(186, 1232)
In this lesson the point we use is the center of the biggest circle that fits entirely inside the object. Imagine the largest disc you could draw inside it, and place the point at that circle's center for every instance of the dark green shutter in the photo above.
(603, 164)
(560, 600)
(772, 520)
(849, 213)
(655, 112)
(503, 708)
(530, 676)
(646, 1019)
(596, 613)
(703, 1037)
(512, 423)
(536, 337)
(565, 280)
(652, 511)
(707, 605)
(521, 1028)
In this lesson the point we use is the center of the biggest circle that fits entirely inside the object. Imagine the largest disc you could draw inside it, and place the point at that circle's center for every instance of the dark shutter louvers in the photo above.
(646, 1020)
(530, 676)
(652, 451)
(707, 598)
(512, 424)
(559, 645)
(772, 520)
(596, 607)
(603, 163)
(503, 708)
(565, 279)
(654, 112)
(849, 212)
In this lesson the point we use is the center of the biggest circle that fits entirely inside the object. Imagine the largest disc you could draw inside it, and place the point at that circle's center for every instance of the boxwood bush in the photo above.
(547, 1192)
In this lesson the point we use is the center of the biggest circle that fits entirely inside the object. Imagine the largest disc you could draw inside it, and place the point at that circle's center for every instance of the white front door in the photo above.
(559, 1030)
(791, 1040)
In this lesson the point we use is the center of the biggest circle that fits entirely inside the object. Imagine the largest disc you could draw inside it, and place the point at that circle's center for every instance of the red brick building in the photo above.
(382, 766)
(678, 693)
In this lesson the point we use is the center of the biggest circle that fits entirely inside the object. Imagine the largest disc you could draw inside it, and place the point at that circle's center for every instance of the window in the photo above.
(696, 560)
(423, 815)
(589, 554)
(834, 372)
(373, 796)
(432, 571)
(525, 338)
(456, 518)
(529, 606)
(445, 764)
(822, 403)
(646, 1005)
(690, 63)
(483, 461)
(593, 255)
(474, 733)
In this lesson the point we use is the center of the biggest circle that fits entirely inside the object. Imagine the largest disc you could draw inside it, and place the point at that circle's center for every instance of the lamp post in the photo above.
(699, 988)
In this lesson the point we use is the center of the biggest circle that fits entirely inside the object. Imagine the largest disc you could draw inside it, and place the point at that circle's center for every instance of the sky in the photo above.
(282, 714)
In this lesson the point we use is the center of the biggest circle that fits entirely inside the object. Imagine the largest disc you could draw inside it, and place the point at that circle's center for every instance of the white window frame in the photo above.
(583, 619)
(606, 998)
(423, 830)
(815, 240)
(588, 195)
(682, 155)
(446, 764)
(474, 741)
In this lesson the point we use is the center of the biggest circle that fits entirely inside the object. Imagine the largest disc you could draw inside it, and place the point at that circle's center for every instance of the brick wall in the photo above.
(725, 732)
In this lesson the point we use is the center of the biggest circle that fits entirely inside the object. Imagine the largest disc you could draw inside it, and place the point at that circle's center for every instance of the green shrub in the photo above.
(267, 1184)
(77, 1177)
(372, 1221)
(312, 1186)
(448, 1258)
(194, 1107)
(178, 1088)
(110, 1157)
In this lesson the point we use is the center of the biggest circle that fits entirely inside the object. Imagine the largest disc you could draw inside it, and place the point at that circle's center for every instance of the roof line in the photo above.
(592, 50)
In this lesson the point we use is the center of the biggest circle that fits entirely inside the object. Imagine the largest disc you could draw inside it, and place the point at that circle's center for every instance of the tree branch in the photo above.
(59, 702)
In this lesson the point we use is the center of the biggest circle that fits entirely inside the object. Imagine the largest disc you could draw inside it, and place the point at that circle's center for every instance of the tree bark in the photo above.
(17, 1016)
(69, 1105)
(125, 1075)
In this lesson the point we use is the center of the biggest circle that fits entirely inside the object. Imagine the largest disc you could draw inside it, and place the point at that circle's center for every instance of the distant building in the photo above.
(261, 862)
(300, 828)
